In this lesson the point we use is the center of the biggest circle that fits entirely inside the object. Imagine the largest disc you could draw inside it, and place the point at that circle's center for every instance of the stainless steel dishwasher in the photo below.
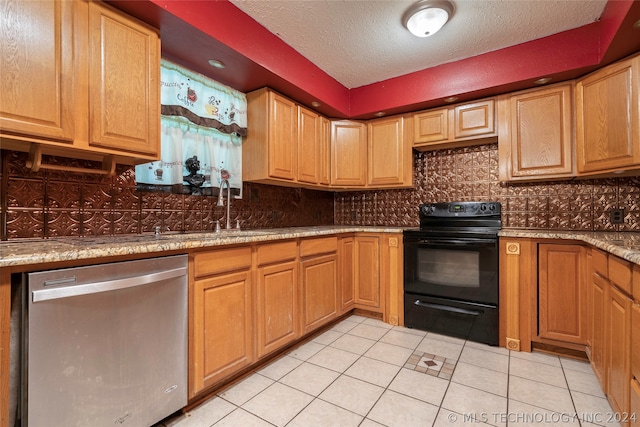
(105, 345)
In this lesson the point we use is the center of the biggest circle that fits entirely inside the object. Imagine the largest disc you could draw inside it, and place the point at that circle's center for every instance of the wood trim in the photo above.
(517, 278)
(5, 333)
(394, 290)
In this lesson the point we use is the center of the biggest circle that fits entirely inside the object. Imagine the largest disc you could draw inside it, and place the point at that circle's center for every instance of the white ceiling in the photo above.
(359, 42)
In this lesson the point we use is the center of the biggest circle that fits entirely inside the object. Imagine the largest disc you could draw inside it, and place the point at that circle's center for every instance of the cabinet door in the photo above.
(124, 82)
(222, 328)
(635, 342)
(367, 271)
(539, 133)
(618, 333)
(319, 285)
(348, 154)
(276, 307)
(325, 151)
(474, 119)
(37, 57)
(608, 130)
(283, 131)
(561, 294)
(308, 146)
(599, 295)
(347, 258)
(386, 152)
(431, 126)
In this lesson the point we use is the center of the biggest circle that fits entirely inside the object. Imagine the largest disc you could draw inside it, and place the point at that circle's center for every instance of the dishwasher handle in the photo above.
(109, 285)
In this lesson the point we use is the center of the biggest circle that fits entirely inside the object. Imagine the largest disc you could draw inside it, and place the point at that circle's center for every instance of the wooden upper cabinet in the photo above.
(88, 80)
(325, 151)
(536, 134)
(608, 119)
(124, 82)
(37, 84)
(431, 126)
(562, 308)
(282, 137)
(474, 119)
(457, 125)
(309, 154)
(389, 157)
(269, 152)
(348, 154)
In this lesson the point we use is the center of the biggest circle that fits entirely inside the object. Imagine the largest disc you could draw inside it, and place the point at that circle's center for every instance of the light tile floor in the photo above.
(362, 373)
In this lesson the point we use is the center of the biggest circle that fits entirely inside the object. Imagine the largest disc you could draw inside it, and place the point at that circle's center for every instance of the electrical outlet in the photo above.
(616, 216)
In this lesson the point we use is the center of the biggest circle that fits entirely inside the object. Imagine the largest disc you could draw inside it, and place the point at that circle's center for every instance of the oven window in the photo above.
(449, 268)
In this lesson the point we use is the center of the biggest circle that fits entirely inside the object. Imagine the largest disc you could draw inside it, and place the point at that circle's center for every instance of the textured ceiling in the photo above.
(359, 42)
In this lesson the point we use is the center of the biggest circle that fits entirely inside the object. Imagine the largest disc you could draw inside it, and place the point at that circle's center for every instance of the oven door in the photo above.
(464, 268)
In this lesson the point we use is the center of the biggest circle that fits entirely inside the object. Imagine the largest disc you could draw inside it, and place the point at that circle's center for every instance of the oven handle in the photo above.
(448, 308)
(457, 242)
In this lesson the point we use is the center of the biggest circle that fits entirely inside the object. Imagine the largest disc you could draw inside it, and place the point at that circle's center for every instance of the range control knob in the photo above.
(483, 207)
(492, 207)
(427, 209)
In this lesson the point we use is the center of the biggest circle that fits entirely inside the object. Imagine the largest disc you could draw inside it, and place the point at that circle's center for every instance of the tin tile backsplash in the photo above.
(471, 173)
(50, 204)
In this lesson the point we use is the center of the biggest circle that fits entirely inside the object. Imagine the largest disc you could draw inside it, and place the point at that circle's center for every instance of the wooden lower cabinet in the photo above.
(319, 286)
(248, 302)
(221, 323)
(599, 291)
(618, 336)
(562, 293)
(346, 253)
(367, 272)
(634, 391)
(276, 296)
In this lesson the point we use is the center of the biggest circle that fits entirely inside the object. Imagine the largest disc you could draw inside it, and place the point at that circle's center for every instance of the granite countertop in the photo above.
(624, 244)
(37, 251)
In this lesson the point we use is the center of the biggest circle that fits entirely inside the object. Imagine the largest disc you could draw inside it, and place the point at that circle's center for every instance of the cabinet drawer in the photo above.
(620, 273)
(318, 246)
(599, 262)
(224, 260)
(276, 252)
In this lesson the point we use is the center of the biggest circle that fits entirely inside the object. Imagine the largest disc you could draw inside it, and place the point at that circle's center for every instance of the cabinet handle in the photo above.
(110, 285)
(447, 308)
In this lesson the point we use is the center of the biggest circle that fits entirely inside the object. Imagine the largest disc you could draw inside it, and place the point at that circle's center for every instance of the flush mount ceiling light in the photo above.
(426, 17)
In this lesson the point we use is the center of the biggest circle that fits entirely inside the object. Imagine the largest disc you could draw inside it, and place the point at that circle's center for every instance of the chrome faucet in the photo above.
(221, 201)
